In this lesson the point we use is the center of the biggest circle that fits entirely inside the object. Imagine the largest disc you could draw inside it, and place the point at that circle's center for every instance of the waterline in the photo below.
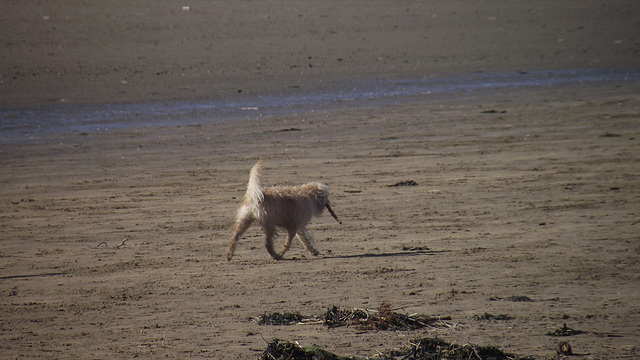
(30, 124)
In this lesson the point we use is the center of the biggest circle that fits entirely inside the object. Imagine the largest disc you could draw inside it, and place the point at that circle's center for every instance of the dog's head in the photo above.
(321, 197)
(320, 194)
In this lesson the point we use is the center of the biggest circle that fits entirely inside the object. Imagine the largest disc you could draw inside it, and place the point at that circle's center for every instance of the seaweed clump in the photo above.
(513, 298)
(277, 318)
(487, 316)
(422, 349)
(564, 331)
(382, 319)
(404, 183)
(436, 349)
(284, 350)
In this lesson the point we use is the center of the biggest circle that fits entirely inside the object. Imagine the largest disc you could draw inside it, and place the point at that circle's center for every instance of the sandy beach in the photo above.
(112, 241)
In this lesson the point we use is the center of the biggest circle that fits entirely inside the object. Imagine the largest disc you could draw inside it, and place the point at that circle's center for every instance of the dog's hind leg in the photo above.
(270, 234)
(242, 224)
(307, 240)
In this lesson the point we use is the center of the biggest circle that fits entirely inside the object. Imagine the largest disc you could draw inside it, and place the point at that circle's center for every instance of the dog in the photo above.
(289, 207)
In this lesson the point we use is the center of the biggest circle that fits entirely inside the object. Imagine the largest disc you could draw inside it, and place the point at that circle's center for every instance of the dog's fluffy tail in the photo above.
(254, 195)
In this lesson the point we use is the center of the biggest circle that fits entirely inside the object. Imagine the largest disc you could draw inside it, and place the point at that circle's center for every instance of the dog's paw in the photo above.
(314, 252)
(228, 256)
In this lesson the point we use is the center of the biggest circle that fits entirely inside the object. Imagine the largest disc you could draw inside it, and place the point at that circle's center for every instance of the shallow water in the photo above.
(37, 123)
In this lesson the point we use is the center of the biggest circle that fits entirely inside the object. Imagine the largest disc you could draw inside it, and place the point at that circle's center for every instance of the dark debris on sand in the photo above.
(422, 349)
(284, 350)
(277, 318)
(487, 316)
(382, 319)
(564, 331)
(404, 183)
(514, 298)
(436, 349)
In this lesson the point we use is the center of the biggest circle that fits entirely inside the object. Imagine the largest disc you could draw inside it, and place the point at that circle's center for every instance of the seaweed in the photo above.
(564, 331)
(277, 318)
(382, 319)
(284, 350)
(436, 349)
(520, 298)
(364, 319)
(513, 298)
(421, 349)
(404, 183)
(487, 316)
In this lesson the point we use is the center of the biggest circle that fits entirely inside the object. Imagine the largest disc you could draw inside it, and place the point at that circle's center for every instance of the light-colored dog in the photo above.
(290, 207)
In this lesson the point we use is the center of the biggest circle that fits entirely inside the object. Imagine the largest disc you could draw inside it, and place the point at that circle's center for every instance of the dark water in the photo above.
(32, 124)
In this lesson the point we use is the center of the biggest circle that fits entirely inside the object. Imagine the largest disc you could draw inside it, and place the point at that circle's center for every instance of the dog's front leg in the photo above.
(287, 243)
(307, 240)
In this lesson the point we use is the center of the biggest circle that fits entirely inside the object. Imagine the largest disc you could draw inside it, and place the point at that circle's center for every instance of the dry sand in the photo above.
(112, 243)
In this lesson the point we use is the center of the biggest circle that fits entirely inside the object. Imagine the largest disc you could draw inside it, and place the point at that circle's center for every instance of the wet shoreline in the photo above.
(33, 124)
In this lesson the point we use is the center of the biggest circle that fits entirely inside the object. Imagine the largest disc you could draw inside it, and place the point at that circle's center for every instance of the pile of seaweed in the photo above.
(384, 318)
(422, 349)
(277, 318)
(487, 316)
(565, 331)
(436, 349)
(284, 350)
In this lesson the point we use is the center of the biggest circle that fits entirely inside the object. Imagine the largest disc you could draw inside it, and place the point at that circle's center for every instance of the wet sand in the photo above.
(71, 51)
(112, 242)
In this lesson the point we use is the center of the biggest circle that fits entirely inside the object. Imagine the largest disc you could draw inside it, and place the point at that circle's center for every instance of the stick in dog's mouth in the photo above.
(333, 214)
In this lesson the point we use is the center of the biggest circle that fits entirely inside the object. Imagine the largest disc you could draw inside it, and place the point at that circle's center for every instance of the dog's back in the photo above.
(288, 205)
